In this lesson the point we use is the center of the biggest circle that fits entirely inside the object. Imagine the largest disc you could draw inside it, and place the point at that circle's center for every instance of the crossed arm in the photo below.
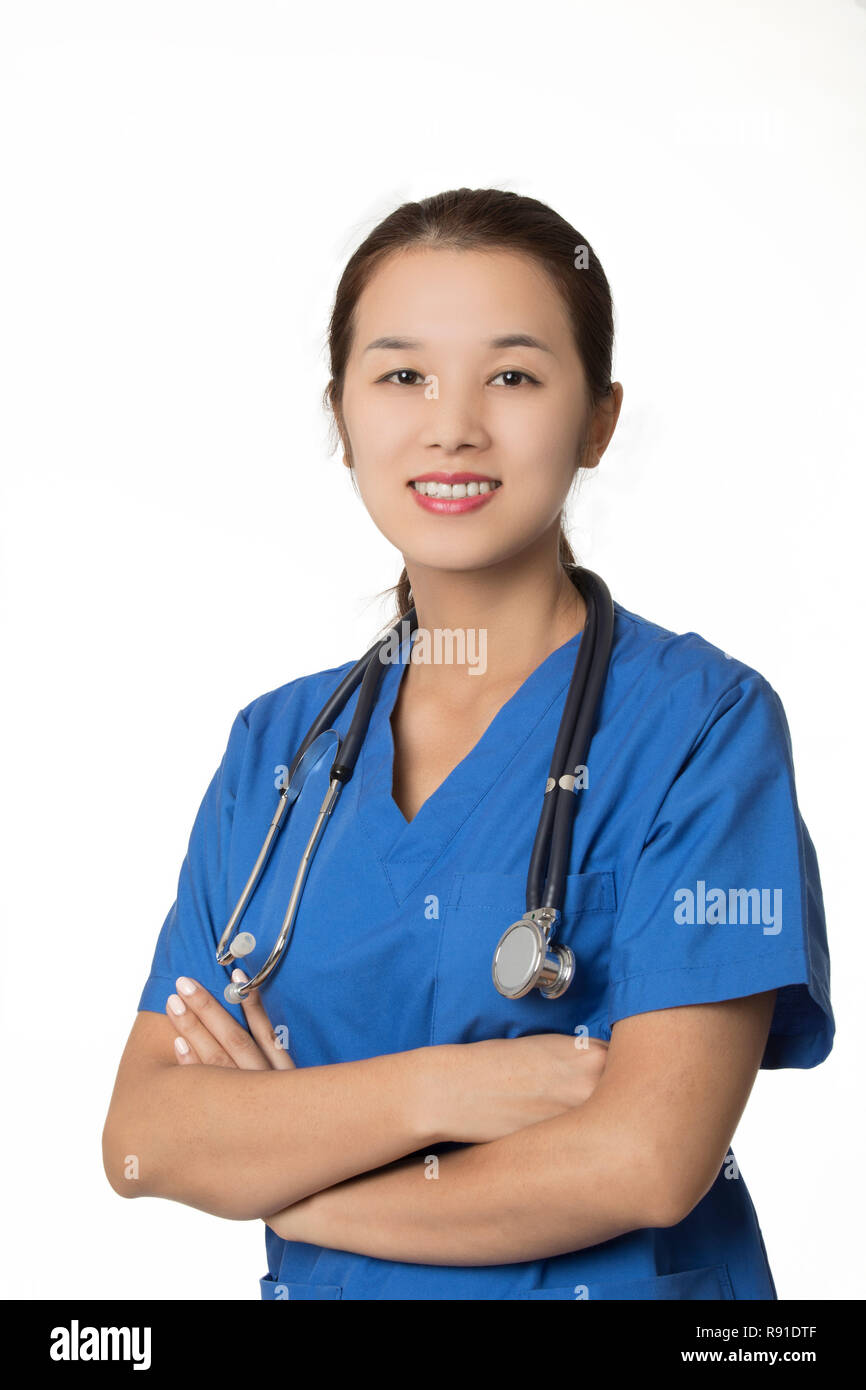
(675, 1084)
(641, 1151)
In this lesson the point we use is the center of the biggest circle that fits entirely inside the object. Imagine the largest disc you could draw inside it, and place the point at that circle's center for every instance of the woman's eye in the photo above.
(400, 377)
(514, 373)
(404, 372)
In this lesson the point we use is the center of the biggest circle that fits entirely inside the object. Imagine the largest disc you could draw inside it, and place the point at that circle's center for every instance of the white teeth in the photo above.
(454, 489)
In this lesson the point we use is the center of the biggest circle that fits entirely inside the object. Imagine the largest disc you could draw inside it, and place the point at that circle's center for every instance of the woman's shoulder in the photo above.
(291, 702)
(679, 668)
(649, 663)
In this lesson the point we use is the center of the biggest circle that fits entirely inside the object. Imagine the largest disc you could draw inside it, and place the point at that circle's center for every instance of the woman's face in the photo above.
(428, 389)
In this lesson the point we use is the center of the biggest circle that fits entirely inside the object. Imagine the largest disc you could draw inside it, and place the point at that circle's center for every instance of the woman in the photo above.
(405, 1130)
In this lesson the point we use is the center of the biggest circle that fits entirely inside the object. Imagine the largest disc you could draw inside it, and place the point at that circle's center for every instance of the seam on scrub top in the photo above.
(435, 1005)
(792, 954)
(365, 786)
(518, 747)
(458, 878)
(167, 979)
(572, 912)
(710, 720)
(399, 902)
(608, 876)
(375, 850)
(501, 773)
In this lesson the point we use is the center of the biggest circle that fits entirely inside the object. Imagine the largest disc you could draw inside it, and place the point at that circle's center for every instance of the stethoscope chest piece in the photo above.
(525, 960)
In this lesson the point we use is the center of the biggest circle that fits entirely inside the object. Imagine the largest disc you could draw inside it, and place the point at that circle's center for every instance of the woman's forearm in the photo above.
(241, 1144)
(559, 1185)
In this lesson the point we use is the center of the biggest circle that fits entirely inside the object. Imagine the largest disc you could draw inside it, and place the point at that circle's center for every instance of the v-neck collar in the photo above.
(408, 849)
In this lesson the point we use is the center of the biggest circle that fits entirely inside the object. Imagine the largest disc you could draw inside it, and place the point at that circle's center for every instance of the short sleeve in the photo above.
(725, 897)
(187, 941)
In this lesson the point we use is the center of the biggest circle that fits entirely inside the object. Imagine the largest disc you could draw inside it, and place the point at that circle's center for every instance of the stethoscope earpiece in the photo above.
(243, 943)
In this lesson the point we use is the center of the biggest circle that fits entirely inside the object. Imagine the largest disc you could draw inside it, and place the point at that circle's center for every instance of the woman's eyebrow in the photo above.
(413, 344)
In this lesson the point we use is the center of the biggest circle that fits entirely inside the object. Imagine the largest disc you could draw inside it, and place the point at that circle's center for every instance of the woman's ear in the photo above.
(341, 430)
(603, 425)
(340, 425)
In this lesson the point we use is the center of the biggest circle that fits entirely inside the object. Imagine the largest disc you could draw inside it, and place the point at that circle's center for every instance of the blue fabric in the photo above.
(692, 878)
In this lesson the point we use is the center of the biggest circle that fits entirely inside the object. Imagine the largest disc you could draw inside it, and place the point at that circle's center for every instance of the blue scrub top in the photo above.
(691, 797)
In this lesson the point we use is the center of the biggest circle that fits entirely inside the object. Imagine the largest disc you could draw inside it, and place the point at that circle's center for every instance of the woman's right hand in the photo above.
(211, 1035)
(480, 1091)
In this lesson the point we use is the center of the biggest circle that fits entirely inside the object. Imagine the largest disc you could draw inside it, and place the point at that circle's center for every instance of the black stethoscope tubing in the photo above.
(525, 957)
(578, 721)
(551, 848)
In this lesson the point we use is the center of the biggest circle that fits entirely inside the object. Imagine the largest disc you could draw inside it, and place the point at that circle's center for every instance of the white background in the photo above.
(182, 185)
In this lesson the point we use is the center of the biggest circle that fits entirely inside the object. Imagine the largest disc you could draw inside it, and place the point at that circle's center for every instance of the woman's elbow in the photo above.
(130, 1162)
(134, 1168)
(119, 1165)
(675, 1191)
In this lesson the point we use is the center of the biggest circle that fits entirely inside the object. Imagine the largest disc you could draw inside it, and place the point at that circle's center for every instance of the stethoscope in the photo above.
(526, 957)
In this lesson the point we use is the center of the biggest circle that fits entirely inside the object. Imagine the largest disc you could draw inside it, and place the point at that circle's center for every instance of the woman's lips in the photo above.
(449, 506)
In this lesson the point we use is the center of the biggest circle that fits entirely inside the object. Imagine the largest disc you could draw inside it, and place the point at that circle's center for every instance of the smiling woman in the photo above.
(533, 398)
(407, 1129)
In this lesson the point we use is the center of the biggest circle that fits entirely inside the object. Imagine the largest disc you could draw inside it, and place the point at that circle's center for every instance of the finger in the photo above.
(184, 1054)
(205, 1047)
(269, 1039)
(219, 1040)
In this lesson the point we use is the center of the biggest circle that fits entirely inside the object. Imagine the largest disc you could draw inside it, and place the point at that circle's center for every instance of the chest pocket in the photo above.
(467, 1005)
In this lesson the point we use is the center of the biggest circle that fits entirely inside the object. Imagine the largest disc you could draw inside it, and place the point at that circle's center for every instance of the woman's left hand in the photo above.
(215, 1038)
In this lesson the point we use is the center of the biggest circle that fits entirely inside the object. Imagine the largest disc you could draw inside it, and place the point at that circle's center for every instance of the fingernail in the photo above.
(182, 1046)
(239, 977)
(184, 985)
(176, 1004)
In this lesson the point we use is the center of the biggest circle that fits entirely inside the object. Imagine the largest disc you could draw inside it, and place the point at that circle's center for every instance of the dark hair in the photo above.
(484, 218)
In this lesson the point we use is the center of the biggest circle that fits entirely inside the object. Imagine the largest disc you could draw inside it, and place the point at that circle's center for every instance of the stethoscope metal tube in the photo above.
(525, 959)
(236, 992)
(367, 672)
(245, 941)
